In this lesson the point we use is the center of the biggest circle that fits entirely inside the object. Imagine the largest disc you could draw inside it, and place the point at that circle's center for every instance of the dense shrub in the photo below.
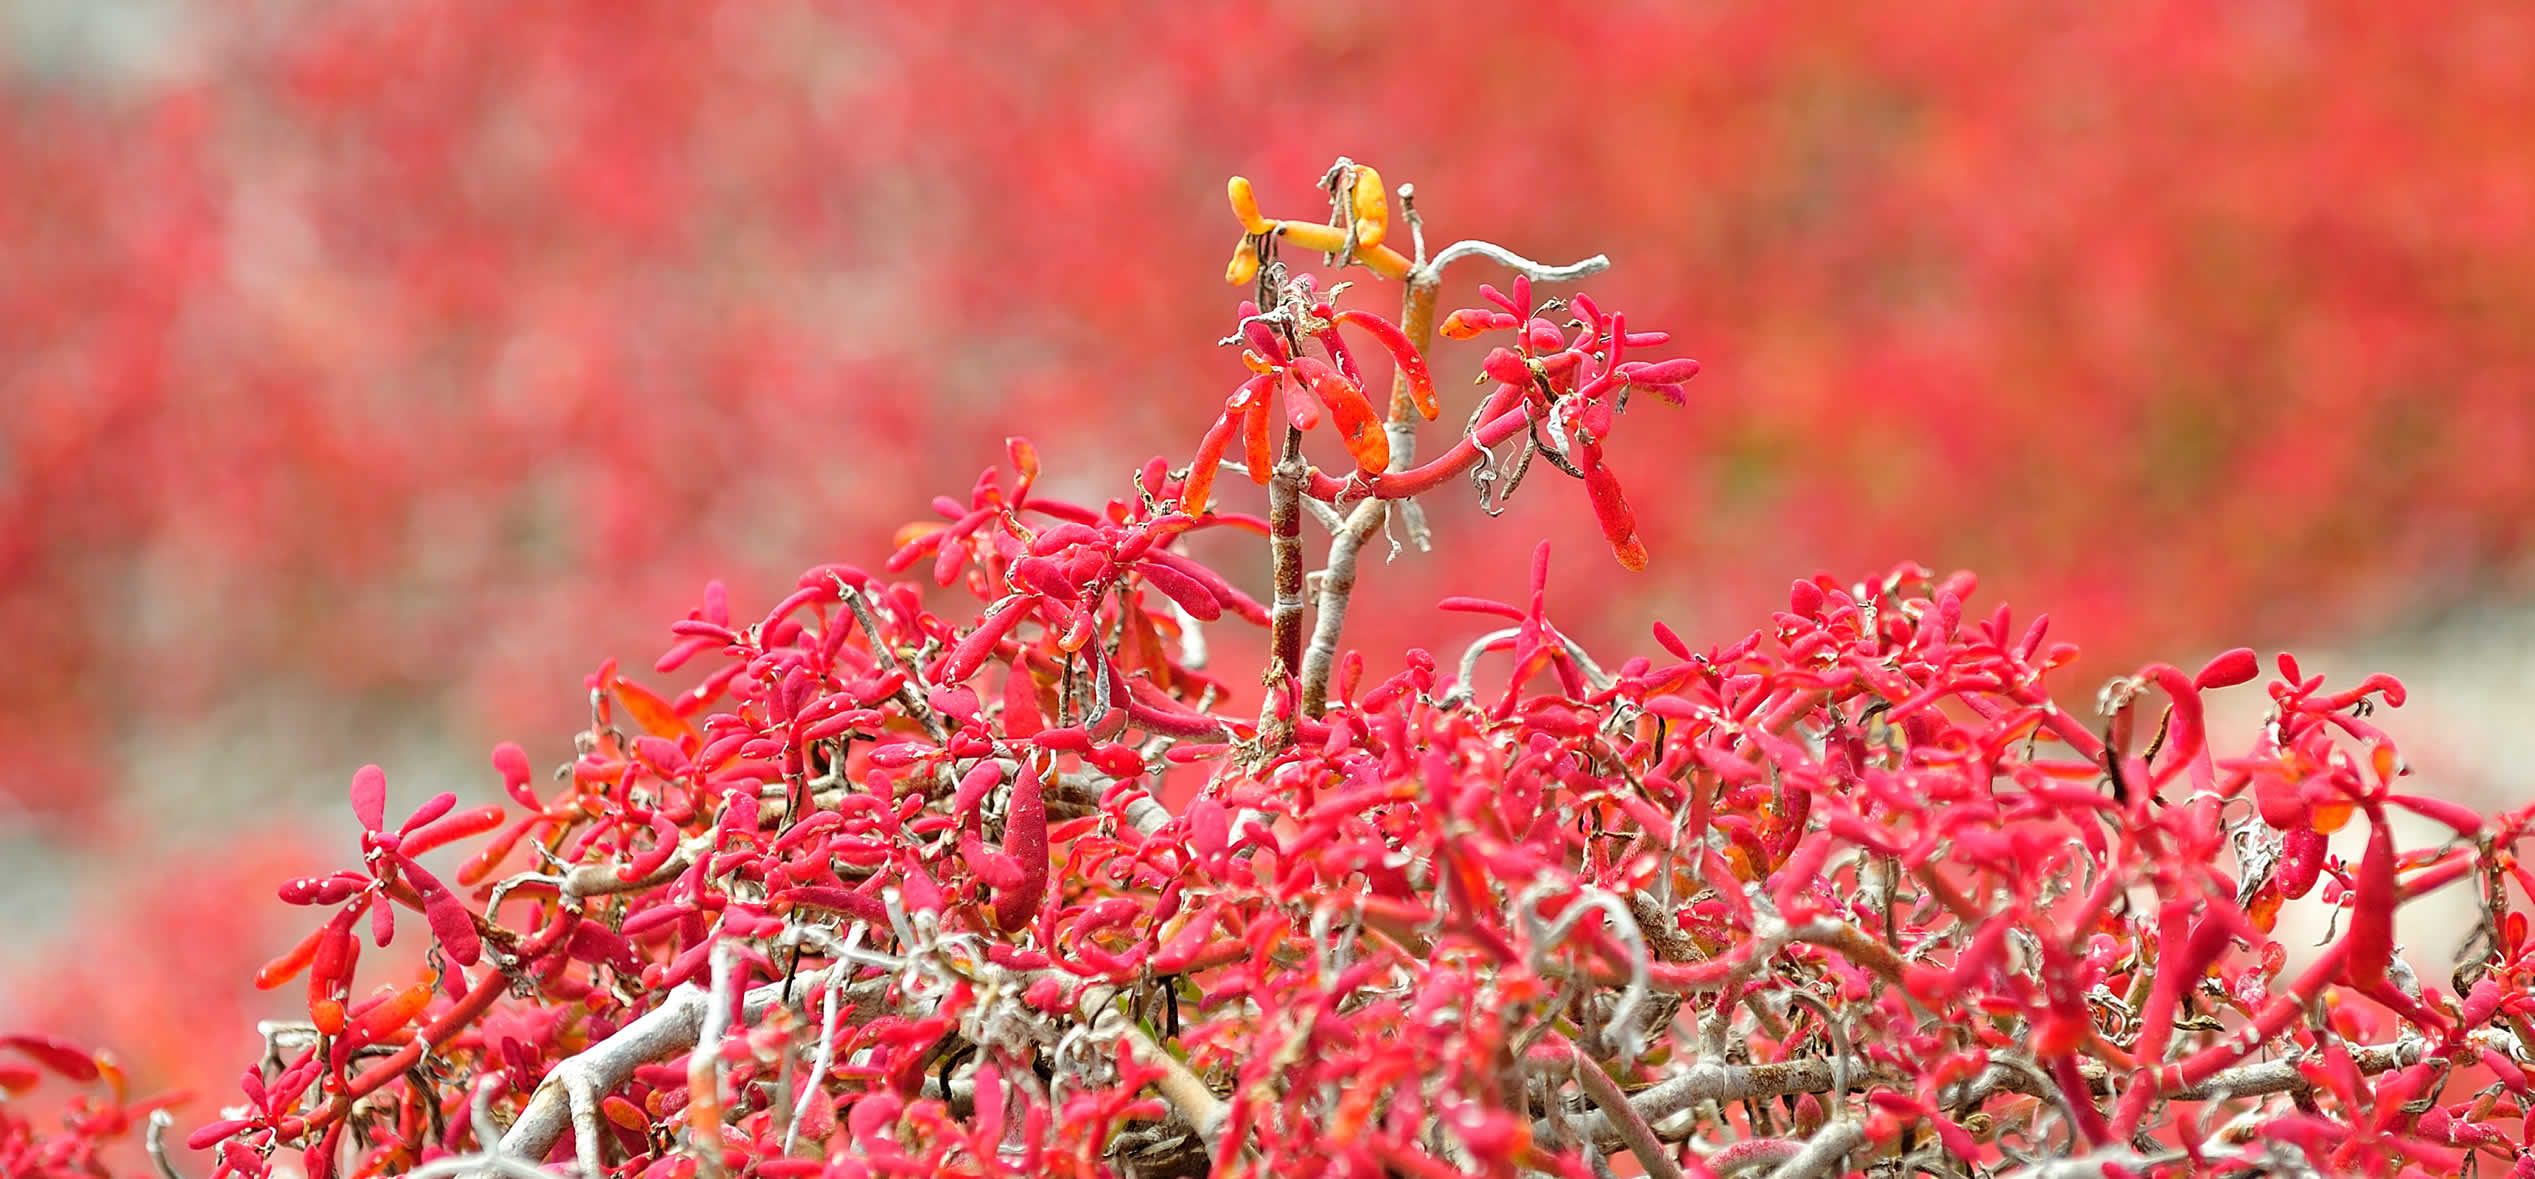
(993, 876)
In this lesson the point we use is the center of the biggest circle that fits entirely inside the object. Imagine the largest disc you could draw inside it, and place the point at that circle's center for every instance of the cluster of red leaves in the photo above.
(1386, 945)
(1573, 389)
(85, 1123)
(900, 888)
(518, 296)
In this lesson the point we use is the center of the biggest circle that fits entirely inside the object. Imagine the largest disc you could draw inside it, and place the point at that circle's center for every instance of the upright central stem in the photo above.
(1285, 614)
(1417, 322)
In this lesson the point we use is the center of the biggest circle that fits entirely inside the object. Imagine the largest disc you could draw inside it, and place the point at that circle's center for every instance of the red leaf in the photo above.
(2465, 821)
(973, 648)
(2228, 670)
(995, 869)
(512, 763)
(2301, 861)
(1421, 386)
(973, 786)
(596, 943)
(204, 1138)
(369, 797)
(439, 804)
(2371, 937)
(841, 900)
(1022, 717)
(455, 827)
(1191, 594)
(1469, 605)
(1175, 954)
(330, 969)
(1024, 839)
(1610, 509)
(1234, 601)
(451, 923)
(59, 1055)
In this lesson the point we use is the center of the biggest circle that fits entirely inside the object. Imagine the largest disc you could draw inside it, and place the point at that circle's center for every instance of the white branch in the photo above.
(1536, 271)
(571, 1092)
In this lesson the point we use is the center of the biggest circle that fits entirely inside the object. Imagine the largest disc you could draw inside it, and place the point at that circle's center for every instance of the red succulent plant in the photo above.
(1002, 881)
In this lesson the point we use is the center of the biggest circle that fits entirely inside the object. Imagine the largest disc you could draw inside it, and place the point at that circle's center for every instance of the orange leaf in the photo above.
(1025, 459)
(1201, 470)
(656, 716)
(1313, 236)
(1371, 207)
(623, 1113)
(1244, 265)
(2265, 911)
(287, 967)
(910, 533)
(1245, 205)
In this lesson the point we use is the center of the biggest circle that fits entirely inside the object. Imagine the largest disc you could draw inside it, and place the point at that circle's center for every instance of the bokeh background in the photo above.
(369, 372)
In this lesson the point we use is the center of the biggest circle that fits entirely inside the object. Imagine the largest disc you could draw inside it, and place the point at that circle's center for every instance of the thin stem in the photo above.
(1337, 585)
(822, 1059)
(572, 1088)
(1751, 1154)
(1838, 1035)
(1183, 1089)
(154, 1140)
(1417, 322)
(1464, 454)
(704, 1069)
(1536, 271)
(910, 693)
(1639, 1137)
(488, 1158)
(1821, 1155)
(1703, 1082)
(1285, 613)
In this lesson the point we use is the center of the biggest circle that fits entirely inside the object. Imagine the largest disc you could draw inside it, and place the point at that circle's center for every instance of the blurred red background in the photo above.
(369, 372)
